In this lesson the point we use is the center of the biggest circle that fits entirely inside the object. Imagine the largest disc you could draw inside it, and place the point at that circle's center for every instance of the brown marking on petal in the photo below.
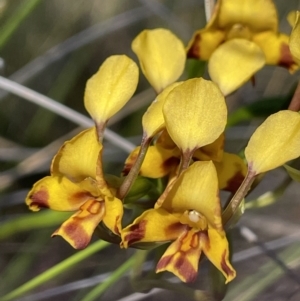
(81, 196)
(194, 51)
(227, 270)
(286, 59)
(184, 268)
(116, 229)
(76, 233)
(137, 233)
(177, 227)
(128, 164)
(235, 182)
(171, 162)
(40, 199)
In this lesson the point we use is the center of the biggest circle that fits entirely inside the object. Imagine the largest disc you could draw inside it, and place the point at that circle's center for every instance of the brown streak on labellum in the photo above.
(228, 271)
(171, 162)
(177, 227)
(137, 232)
(77, 234)
(40, 198)
(81, 196)
(286, 59)
(194, 51)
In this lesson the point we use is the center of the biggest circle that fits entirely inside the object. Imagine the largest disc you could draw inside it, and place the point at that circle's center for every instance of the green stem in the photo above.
(58, 269)
(114, 277)
(17, 17)
(134, 171)
(238, 197)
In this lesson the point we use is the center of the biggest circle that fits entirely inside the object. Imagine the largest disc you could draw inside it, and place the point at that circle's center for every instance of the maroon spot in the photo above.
(81, 196)
(194, 51)
(175, 228)
(40, 199)
(228, 271)
(137, 232)
(171, 162)
(286, 58)
(235, 182)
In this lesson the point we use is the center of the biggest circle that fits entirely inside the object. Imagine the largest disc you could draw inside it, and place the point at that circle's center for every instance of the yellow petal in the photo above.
(182, 256)
(275, 141)
(212, 151)
(295, 39)
(231, 172)
(276, 49)
(161, 55)
(195, 113)
(79, 228)
(153, 119)
(204, 43)
(234, 63)
(113, 214)
(258, 15)
(197, 189)
(215, 247)
(111, 87)
(57, 193)
(292, 17)
(154, 225)
(77, 158)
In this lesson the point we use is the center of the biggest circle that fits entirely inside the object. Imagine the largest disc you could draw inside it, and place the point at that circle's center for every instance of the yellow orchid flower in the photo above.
(241, 37)
(77, 184)
(295, 38)
(162, 57)
(189, 217)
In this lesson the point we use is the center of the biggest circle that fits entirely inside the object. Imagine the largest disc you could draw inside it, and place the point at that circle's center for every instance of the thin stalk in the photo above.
(238, 197)
(185, 161)
(114, 277)
(58, 269)
(134, 171)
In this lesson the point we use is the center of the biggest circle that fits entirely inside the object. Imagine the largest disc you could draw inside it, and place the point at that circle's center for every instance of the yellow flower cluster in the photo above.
(183, 137)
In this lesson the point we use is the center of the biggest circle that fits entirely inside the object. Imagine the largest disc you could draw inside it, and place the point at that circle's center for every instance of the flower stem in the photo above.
(134, 171)
(238, 197)
(114, 277)
(185, 161)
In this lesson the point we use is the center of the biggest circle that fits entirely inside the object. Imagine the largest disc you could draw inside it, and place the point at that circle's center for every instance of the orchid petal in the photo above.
(154, 225)
(57, 193)
(77, 158)
(195, 114)
(79, 228)
(275, 141)
(276, 49)
(234, 63)
(215, 247)
(161, 55)
(197, 189)
(111, 87)
(295, 39)
(182, 256)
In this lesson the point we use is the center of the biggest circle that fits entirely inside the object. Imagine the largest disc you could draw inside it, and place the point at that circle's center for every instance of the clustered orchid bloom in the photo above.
(182, 143)
(241, 37)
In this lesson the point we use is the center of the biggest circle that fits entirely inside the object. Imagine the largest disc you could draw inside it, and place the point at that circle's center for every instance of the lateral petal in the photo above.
(234, 63)
(57, 193)
(79, 228)
(215, 247)
(295, 38)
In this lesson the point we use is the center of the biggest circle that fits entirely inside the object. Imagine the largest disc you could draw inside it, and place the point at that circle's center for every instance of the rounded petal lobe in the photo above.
(161, 55)
(195, 113)
(57, 193)
(79, 228)
(275, 141)
(234, 63)
(197, 189)
(111, 87)
(77, 158)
